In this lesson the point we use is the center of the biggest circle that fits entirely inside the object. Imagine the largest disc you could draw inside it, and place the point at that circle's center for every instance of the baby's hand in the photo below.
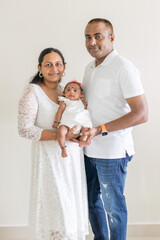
(55, 124)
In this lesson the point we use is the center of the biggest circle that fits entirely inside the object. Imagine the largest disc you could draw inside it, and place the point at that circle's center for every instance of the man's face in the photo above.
(99, 40)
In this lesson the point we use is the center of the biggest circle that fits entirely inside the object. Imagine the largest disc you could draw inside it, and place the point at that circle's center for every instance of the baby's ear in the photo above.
(63, 94)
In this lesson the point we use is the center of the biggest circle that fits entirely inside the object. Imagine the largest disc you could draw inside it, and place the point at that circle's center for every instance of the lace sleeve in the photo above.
(27, 113)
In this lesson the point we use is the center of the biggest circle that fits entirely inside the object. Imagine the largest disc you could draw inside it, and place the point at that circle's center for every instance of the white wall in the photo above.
(27, 27)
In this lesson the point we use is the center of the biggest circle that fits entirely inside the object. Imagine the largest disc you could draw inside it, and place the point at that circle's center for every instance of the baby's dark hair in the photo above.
(78, 83)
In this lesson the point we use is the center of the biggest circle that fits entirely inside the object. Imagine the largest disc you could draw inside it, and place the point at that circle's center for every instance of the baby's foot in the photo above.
(64, 152)
(83, 143)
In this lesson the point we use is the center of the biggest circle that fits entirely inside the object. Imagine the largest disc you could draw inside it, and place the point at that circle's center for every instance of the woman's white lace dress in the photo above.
(58, 203)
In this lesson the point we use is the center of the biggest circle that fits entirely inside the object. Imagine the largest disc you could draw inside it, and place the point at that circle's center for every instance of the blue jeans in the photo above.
(107, 176)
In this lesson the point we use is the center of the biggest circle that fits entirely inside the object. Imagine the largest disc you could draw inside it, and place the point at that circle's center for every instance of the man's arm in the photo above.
(137, 115)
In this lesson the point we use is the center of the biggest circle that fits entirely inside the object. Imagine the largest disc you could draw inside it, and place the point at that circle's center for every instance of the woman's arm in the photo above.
(27, 113)
(48, 135)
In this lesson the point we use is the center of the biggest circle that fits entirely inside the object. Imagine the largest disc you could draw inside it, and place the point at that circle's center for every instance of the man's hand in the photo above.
(90, 133)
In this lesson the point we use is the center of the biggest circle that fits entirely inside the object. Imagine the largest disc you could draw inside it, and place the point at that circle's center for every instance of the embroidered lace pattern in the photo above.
(27, 113)
(58, 195)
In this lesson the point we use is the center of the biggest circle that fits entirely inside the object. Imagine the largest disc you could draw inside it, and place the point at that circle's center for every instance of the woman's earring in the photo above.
(63, 74)
(40, 75)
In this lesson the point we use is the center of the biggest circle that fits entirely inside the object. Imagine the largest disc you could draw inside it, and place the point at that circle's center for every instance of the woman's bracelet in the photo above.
(56, 122)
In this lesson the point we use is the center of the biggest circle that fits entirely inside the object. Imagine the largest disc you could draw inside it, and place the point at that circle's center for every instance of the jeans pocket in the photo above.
(124, 163)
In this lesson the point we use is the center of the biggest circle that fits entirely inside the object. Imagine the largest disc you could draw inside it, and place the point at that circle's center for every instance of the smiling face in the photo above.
(52, 67)
(72, 91)
(99, 40)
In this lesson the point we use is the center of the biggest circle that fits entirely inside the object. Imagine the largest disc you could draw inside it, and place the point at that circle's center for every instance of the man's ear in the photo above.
(112, 37)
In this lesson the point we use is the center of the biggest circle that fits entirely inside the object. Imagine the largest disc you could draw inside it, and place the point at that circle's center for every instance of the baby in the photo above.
(71, 113)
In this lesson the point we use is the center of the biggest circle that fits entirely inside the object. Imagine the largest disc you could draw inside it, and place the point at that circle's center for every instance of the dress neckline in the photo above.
(46, 95)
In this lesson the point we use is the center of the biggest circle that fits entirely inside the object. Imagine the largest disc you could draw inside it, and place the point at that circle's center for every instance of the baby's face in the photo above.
(72, 91)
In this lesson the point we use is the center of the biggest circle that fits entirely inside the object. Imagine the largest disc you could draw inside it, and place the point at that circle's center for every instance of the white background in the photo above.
(26, 28)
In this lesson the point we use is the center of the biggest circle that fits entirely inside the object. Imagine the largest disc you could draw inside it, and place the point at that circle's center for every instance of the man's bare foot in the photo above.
(64, 152)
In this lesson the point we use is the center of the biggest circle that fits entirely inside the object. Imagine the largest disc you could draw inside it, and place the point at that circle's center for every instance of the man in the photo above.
(116, 102)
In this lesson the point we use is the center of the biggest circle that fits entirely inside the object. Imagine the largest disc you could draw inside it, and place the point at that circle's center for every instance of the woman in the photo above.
(58, 205)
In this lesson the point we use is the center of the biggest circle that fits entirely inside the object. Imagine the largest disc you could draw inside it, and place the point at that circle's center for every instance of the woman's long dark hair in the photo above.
(37, 79)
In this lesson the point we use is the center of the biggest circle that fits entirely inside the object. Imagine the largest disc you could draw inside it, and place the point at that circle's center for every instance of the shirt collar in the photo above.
(107, 60)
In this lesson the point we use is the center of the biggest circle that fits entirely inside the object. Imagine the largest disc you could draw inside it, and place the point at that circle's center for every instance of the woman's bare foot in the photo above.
(64, 152)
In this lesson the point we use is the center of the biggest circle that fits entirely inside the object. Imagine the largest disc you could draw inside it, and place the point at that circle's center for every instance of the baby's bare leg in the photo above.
(62, 131)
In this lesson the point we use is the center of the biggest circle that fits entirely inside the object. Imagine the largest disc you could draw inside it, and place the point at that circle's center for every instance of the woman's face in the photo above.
(52, 67)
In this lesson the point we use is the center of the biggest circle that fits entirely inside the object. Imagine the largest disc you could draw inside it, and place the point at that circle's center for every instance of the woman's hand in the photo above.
(71, 136)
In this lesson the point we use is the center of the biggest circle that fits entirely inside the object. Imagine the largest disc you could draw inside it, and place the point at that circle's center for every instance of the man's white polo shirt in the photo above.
(106, 88)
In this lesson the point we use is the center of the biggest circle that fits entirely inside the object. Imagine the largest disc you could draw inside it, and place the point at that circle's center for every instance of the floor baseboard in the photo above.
(13, 232)
(143, 230)
(134, 230)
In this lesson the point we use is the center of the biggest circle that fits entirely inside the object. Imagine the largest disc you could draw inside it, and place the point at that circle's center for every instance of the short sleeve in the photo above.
(130, 81)
(62, 99)
(27, 113)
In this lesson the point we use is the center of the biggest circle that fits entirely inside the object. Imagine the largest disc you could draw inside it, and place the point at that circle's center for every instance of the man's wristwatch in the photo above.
(104, 130)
